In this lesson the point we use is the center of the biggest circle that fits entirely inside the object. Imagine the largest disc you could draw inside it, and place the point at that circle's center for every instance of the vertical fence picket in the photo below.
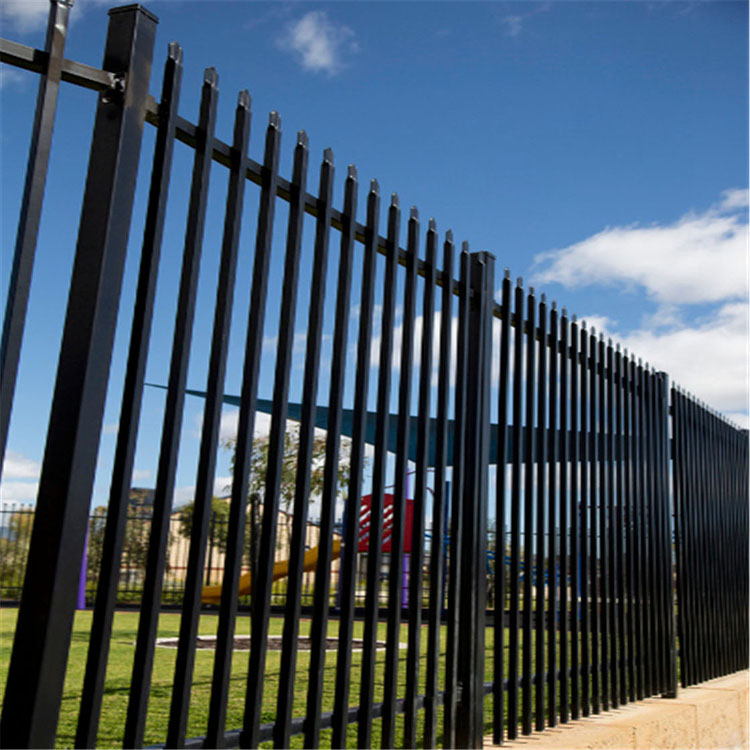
(356, 468)
(576, 403)
(567, 506)
(583, 564)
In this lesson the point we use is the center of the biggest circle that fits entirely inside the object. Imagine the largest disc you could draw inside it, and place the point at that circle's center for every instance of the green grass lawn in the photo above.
(122, 649)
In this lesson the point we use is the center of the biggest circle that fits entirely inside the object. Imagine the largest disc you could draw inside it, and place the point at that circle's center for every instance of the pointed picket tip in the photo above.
(243, 99)
(394, 200)
(174, 52)
(274, 119)
(531, 291)
(519, 282)
(565, 312)
(554, 305)
(328, 156)
(374, 186)
(449, 235)
(465, 246)
(211, 77)
(507, 273)
(302, 139)
(432, 225)
(583, 325)
(593, 331)
(351, 172)
(543, 298)
(413, 213)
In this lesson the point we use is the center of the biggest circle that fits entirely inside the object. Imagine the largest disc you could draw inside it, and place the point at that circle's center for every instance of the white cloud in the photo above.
(139, 475)
(24, 15)
(699, 258)
(18, 466)
(320, 44)
(708, 359)
(19, 492)
(513, 25)
(10, 77)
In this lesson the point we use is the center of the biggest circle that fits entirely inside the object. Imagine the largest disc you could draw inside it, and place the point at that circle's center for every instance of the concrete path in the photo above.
(713, 715)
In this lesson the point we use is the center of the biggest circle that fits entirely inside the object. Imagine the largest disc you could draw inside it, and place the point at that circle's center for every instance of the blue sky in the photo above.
(599, 150)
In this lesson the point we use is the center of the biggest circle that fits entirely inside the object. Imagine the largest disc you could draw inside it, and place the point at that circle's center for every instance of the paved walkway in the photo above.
(713, 715)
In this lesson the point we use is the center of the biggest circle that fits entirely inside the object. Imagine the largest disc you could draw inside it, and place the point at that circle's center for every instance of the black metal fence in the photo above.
(563, 444)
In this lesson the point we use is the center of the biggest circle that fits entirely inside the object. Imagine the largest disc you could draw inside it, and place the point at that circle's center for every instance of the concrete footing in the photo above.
(711, 715)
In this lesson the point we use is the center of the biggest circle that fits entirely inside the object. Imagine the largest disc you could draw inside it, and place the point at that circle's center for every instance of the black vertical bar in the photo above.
(396, 564)
(439, 501)
(594, 456)
(116, 519)
(374, 557)
(515, 516)
(583, 516)
(650, 654)
(603, 551)
(565, 503)
(631, 551)
(611, 598)
(356, 467)
(553, 616)
(470, 715)
(285, 697)
(619, 524)
(575, 524)
(245, 428)
(45, 617)
(331, 471)
(31, 211)
(202, 504)
(639, 508)
(263, 582)
(141, 676)
(670, 688)
(501, 463)
(528, 513)
(541, 492)
(420, 492)
(459, 423)
(678, 484)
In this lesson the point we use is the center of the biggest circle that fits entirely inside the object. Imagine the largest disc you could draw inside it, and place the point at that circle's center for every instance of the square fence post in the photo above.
(470, 713)
(45, 618)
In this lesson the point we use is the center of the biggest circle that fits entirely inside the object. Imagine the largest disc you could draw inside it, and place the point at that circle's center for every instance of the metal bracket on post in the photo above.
(470, 714)
(45, 617)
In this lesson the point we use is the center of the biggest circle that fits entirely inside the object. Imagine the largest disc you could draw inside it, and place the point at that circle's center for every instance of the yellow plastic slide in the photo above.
(212, 594)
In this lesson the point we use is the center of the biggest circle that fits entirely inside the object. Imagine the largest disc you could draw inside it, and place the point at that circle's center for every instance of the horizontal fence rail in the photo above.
(423, 546)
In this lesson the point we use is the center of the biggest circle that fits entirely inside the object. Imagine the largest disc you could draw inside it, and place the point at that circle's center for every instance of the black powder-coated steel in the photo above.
(540, 519)
(501, 505)
(456, 520)
(285, 696)
(245, 429)
(440, 500)
(515, 516)
(555, 615)
(117, 509)
(22, 266)
(576, 513)
(374, 555)
(596, 497)
(593, 429)
(36, 672)
(416, 561)
(319, 627)
(356, 468)
(135, 721)
(202, 506)
(528, 514)
(567, 507)
(396, 566)
(584, 575)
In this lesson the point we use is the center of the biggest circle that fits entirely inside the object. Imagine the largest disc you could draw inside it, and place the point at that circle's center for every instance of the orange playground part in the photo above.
(212, 594)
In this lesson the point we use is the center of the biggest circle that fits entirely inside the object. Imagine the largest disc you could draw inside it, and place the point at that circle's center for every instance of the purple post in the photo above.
(82, 580)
